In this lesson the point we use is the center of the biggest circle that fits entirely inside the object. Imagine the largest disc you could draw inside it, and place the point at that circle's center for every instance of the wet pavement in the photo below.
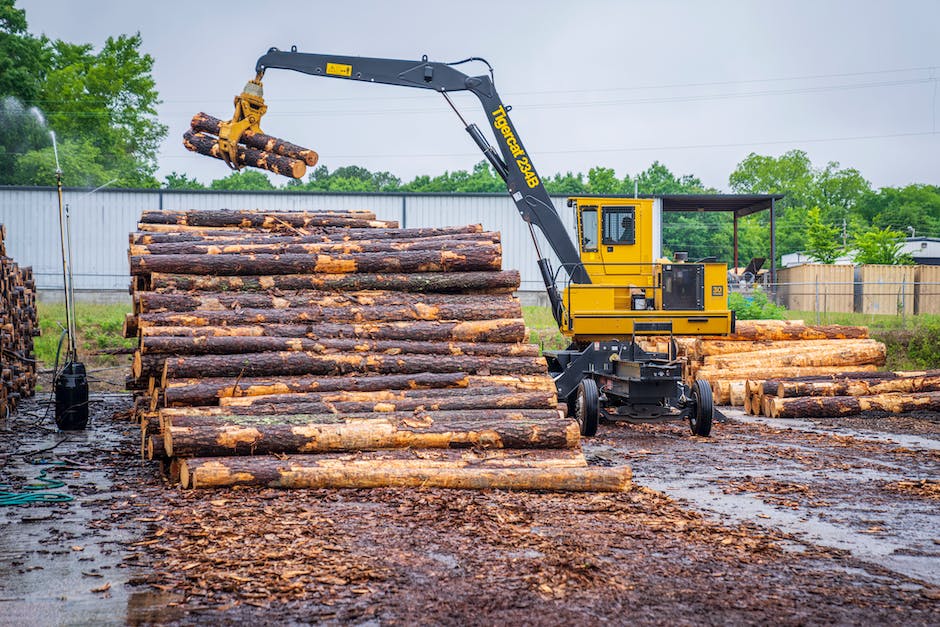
(827, 482)
(790, 522)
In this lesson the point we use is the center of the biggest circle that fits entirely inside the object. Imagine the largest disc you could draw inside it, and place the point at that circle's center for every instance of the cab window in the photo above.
(619, 225)
(589, 229)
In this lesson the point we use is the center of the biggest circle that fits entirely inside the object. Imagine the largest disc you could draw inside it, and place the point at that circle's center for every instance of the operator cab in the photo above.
(620, 248)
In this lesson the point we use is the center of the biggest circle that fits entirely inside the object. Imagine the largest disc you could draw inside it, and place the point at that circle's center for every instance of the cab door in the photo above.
(626, 246)
(589, 232)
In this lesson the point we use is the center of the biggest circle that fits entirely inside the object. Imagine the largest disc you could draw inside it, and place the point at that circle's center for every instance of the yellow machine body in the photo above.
(615, 239)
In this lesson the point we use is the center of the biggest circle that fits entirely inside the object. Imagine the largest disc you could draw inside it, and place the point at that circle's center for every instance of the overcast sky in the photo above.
(695, 85)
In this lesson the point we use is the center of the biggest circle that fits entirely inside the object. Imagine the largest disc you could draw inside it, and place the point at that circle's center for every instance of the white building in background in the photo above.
(924, 250)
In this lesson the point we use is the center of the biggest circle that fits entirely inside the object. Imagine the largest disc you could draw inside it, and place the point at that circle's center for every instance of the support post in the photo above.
(735, 214)
(773, 249)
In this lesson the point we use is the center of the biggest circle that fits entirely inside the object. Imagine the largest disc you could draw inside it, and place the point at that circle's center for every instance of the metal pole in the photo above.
(735, 214)
(773, 247)
(69, 355)
(71, 292)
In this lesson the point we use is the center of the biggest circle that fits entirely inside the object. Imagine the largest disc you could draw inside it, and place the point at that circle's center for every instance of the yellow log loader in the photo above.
(607, 288)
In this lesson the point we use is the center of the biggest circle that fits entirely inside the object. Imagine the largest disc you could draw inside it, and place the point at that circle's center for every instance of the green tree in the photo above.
(881, 246)
(244, 180)
(603, 181)
(174, 180)
(914, 207)
(568, 183)
(822, 240)
(80, 161)
(23, 58)
(108, 99)
(836, 191)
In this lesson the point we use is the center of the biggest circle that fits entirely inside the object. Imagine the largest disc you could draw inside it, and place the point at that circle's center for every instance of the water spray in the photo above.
(71, 382)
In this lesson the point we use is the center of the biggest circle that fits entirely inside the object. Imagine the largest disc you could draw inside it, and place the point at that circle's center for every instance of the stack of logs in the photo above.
(846, 394)
(787, 369)
(776, 349)
(18, 327)
(305, 349)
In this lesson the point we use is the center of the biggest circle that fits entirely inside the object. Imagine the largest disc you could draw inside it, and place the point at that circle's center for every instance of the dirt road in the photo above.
(794, 523)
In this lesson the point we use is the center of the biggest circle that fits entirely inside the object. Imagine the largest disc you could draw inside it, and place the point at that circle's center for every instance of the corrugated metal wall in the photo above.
(101, 222)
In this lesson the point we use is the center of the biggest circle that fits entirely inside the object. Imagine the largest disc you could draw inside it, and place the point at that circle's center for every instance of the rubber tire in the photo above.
(587, 407)
(700, 419)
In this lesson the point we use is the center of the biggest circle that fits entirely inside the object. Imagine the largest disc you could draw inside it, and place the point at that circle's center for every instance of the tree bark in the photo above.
(482, 387)
(245, 156)
(249, 219)
(309, 471)
(443, 282)
(864, 352)
(480, 400)
(303, 363)
(314, 234)
(291, 245)
(781, 330)
(832, 406)
(156, 302)
(471, 309)
(712, 373)
(233, 345)
(480, 257)
(330, 432)
(857, 386)
(205, 123)
(700, 349)
(208, 391)
(510, 330)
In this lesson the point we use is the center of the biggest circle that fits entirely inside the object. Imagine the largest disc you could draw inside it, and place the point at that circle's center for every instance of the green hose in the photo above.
(34, 492)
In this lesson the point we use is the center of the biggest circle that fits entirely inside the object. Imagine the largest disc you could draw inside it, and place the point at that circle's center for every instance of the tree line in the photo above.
(101, 104)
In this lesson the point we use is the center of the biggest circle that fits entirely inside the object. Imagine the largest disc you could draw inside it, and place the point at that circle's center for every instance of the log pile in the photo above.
(846, 394)
(18, 326)
(776, 349)
(309, 349)
(256, 150)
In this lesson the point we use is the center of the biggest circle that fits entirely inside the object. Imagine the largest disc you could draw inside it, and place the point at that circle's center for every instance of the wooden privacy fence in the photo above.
(867, 289)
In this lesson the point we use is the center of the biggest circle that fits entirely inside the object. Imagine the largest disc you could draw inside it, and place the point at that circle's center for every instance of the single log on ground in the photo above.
(156, 302)
(826, 406)
(328, 234)
(481, 257)
(857, 386)
(865, 352)
(442, 282)
(376, 431)
(293, 245)
(474, 386)
(295, 473)
(205, 123)
(233, 345)
(511, 330)
(699, 349)
(711, 374)
(464, 309)
(208, 391)
(248, 219)
(209, 146)
(302, 363)
(790, 330)
(481, 399)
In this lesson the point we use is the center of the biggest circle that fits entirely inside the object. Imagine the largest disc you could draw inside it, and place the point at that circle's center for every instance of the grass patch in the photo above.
(543, 330)
(98, 327)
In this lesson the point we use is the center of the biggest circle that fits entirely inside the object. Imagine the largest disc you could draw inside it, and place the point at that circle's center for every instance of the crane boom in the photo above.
(512, 163)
